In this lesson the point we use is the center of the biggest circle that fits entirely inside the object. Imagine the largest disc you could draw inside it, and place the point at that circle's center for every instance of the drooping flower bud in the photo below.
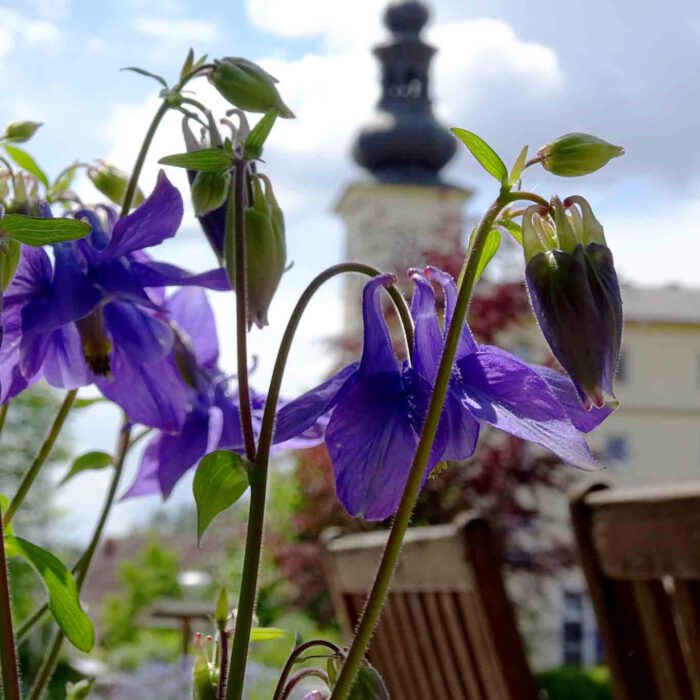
(210, 191)
(21, 132)
(575, 293)
(205, 673)
(247, 86)
(112, 183)
(266, 250)
(577, 154)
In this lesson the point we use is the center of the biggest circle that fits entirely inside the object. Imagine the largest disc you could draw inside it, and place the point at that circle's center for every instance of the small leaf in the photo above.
(141, 71)
(368, 685)
(37, 231)
(266, 634)
(10, 252)
(80, 690)
(86, 403)
(221, 479)
(4, 503)
(489, 159)
(26, 162)
(518, 168)
(87, 462)
(493, 240)
(255, 141)
(204, 159)
(513, 229)
(187, 65)
(63, 183)
(64, 602)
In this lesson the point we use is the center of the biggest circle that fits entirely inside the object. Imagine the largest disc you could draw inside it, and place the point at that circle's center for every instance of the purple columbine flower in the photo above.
(213, 419)
(575, 294)
(94, 315)
(378, 407)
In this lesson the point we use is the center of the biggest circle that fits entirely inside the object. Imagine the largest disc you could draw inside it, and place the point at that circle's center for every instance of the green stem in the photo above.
(41, 457)
(390, 557)
(235, 247)
(296, 653)
(49, 662)
(258, 474)
(3, 415)
(8, 653)
(148, 139)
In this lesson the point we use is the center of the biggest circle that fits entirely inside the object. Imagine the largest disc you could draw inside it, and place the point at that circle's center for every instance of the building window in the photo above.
(622, 374)
(617, 450)
(580, 640)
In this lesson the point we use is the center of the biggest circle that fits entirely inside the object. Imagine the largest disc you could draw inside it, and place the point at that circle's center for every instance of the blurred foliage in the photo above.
(575, 684)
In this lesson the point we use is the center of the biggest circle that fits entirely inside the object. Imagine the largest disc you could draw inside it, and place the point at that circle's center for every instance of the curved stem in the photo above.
(148, 139)
(258, 474)
(47, 666)
(236, 241)
(390, 557)
(306, 673)
(41, 457)
(293, 658)
(9, 680)
(223, 665)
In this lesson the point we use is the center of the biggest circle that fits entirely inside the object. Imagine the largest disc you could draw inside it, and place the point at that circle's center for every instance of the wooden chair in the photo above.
(448, 629)
(640, 551)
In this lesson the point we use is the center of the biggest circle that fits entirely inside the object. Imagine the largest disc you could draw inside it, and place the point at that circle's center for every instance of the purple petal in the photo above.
(428, 341)
(189, 309)
(116, 278)
(64, 364)
(155, 220)
(371, 442)
(467, 344)
(378, 351)
(12, 381)
(70, 297)
(143, 337)
(32, 278)
(154, 394)
(231, 432)
(503, 391)
(158, 274)
(568, 396)
(296, 417)
(146, 481)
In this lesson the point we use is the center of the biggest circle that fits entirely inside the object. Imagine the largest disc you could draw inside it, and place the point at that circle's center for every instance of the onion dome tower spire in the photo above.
(404, 143)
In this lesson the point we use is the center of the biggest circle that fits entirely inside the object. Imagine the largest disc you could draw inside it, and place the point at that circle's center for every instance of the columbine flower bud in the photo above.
(266, 250)
(247, 86)
(205, 673)
(210, 191)
(575, 294)
(20, 132)
(576, 154)
(112, 183)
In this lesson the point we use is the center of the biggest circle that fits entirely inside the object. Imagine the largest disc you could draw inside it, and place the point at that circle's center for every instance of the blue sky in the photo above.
(514, 72)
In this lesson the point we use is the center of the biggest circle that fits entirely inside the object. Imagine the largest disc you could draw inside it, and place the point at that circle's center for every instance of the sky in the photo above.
(516, 73)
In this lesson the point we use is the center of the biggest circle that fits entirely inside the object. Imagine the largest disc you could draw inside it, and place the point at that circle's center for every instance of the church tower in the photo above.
(403, 208)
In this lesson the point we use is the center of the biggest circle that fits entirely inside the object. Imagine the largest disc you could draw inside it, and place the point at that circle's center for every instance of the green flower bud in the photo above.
(247, 86)
(222, 610)
(20, 132)
(266, 250)
(577, 154)
(205, 673)
(112, 183)
(210, 190)
(10, 251)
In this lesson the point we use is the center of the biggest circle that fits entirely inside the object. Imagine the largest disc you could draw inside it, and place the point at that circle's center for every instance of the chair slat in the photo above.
(685, 600)
(396, 641)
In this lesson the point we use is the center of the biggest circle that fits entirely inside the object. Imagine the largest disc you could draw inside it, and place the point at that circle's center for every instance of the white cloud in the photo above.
(16, 29)
(177, 30)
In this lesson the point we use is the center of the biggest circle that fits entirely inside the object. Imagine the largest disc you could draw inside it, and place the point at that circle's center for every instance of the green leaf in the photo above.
(86, 403)
(63, 183)
(141, 71)
(204, 159)
(26, 162)
(487, 157)
(10, 252)
(255, 141)
(518, 167)
(513, 229)
(493, 240)
(368, 685)
(221, 479)
(80, 690)
(37, 231)
(64, 602)
(266, 634)
(87, 462)
(187, 65)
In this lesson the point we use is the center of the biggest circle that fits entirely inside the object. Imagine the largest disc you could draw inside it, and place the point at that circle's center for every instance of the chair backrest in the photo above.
(448, 629)
(640, 551)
